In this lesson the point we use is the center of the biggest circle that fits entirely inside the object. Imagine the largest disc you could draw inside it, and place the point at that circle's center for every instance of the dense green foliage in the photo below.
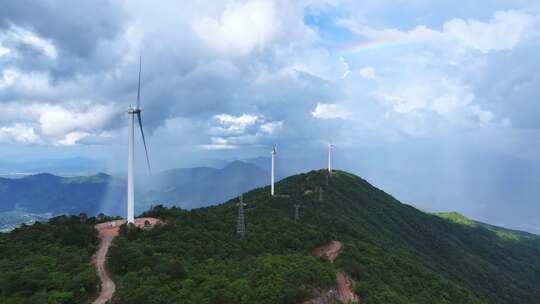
(197, 258)
(395, 253)
(48, 262)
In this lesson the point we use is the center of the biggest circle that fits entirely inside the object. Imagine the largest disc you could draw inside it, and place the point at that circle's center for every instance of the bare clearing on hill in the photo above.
(343, 293)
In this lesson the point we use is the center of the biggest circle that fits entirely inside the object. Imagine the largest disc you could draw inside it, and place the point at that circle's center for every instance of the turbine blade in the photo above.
(139, 86)
(144, 142)
(274, 149)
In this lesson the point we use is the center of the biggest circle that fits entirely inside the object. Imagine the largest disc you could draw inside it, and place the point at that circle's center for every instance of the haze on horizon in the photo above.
(433, 102)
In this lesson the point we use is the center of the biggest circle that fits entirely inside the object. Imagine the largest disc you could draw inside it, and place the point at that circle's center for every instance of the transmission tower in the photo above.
(320, 193)
(241, 225)
(296, 214)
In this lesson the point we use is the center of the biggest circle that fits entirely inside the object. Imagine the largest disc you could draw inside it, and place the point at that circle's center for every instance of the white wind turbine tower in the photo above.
(330, 147)
(131, 187)
(274, 152)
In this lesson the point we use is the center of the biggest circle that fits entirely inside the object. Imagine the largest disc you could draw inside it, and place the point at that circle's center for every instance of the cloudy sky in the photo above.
(436, 103)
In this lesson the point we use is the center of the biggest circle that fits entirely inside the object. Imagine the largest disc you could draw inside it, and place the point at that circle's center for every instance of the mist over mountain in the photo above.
(47, 194)
(197, 187)
(58, 166)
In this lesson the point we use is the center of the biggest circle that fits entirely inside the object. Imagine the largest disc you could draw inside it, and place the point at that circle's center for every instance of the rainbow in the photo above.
(366, 46)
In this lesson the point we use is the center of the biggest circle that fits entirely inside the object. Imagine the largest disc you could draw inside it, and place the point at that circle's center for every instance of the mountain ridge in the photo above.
(395, 252)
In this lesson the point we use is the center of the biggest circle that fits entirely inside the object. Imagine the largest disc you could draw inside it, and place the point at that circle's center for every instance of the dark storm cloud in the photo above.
(80, 30)
(77, 27)
(516, 95)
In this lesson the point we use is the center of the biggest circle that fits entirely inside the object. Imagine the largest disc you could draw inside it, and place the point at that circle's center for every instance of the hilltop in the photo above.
(393, 252)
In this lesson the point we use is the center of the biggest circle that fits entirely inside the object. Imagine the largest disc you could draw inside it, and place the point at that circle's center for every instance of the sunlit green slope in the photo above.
(394, 252)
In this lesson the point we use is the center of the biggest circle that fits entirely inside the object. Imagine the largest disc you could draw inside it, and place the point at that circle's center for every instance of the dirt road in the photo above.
(107, 232)
(329, 251)
(343, 292)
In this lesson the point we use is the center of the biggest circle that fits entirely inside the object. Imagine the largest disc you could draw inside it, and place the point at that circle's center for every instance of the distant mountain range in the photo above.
(50, 193)
(198, 187)
(101, 193)
(62, 166)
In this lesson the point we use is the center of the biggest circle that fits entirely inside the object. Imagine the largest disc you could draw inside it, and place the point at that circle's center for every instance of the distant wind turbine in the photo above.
(330, 147)
(274, 152)
(132, 112)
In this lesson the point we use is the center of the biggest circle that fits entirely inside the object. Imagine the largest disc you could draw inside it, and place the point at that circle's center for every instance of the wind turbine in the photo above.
(132, 112)
(274, 152)
(330, 147)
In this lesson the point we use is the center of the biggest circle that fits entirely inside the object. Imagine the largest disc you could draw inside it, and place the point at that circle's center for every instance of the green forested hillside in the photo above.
(48, 263)
(395, 253)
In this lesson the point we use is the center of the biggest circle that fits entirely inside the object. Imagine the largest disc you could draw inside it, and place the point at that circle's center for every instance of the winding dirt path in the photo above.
(107, 232)
(343, 292)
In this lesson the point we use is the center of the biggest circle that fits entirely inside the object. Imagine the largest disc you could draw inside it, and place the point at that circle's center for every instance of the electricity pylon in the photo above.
(296, 214)
(241, 225)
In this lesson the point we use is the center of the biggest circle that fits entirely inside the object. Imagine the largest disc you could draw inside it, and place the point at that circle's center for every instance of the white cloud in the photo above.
(320, 63)
(4, 51)
(20, 35)
(25, 83)
(72, 138)
(219, 143)
(448, 98)
(234, 131)
(55, 124)
(505, 31)
(58, 120)
(368, 73)
(229, 124)
(330, 111)
(271, 127)
(18, 133)
(241, 27)
(433, 85)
